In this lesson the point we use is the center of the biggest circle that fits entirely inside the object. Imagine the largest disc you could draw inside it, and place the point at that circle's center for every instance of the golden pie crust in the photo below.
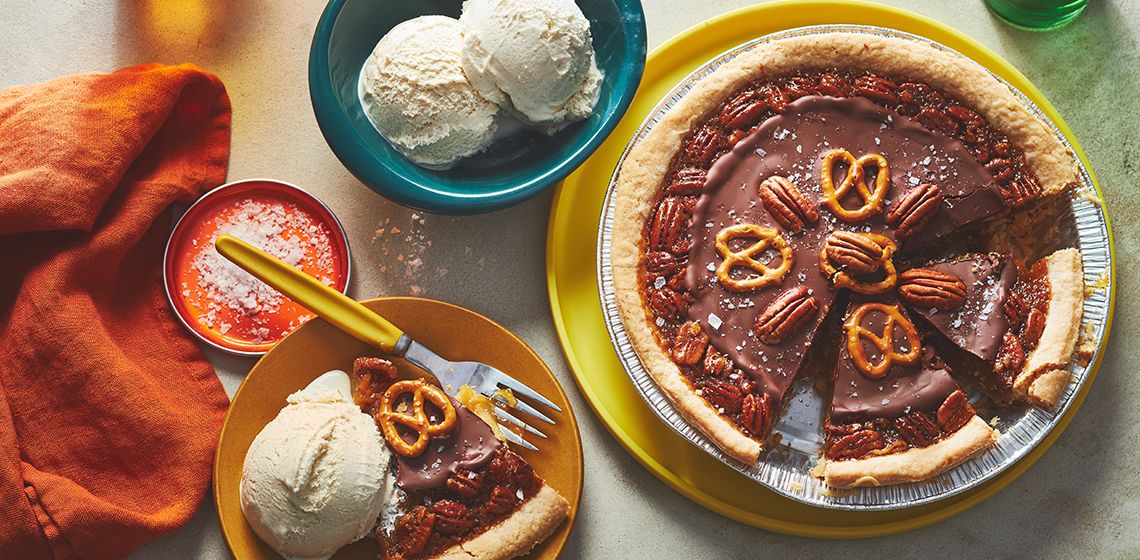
(640, 178)
(534, 521)
(1046, 373)
(912, 465)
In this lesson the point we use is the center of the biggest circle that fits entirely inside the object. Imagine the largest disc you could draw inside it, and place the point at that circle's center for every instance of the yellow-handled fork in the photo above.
(363, 323)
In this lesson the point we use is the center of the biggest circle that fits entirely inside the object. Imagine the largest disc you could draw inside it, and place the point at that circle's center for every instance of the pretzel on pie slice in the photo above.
(856, 178)
(746, 257)
(844, 279)
(884, 343)
(417, 420)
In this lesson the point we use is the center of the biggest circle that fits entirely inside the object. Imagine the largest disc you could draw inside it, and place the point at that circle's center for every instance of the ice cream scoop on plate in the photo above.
(317, 476)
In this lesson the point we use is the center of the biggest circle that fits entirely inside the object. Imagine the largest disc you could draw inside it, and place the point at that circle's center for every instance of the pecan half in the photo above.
(833, 85)
(502, 500)
(744, 110)
(465, 483)
(451, 517)
(917, 429)
(788, 313)
(507, 468)
(688, 181)
(955, 412)
(964, 115)
(662, 263)
(1010, 358)
(936, 120)
(855, 445)
(689, 344)
(717, 364)
(931, 289)
(756, 414)
(1016, 307)
(854, 252)
(914, 209)
(668, 303)
(704, 145)
(776, 99)
(412, 530)
(1001, 169)
(787, 204)
(669, 230)
(800, 86)
(723, 394)
(1033, 328)
(877, 88)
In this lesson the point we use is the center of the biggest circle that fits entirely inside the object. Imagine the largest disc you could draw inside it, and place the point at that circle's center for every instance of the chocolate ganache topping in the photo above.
(921, 386)
(793, 144)
(978, 326)
(470, 445)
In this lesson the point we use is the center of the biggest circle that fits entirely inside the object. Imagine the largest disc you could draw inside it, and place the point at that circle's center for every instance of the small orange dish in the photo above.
(227, 307)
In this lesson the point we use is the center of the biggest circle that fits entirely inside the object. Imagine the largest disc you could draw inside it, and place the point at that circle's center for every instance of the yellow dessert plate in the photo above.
(452, 331)
(576, 304)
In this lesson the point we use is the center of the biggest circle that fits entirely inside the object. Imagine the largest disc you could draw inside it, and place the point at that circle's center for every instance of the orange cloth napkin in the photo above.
(109, 413)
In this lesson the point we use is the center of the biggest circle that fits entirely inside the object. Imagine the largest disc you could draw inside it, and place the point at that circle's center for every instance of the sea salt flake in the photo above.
(714, 321)
(659, 282)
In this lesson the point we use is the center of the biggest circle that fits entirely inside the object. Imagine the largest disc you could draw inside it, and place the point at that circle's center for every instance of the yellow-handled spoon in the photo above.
(363, 323)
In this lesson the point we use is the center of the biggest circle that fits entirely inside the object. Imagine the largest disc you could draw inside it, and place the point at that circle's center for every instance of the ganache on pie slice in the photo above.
(893, 395)
(1001, 319)
(758, 227)
(964, 299)
(463, 484)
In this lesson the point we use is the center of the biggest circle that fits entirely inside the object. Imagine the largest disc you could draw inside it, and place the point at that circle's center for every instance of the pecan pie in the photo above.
(804, 175)
(463, 494)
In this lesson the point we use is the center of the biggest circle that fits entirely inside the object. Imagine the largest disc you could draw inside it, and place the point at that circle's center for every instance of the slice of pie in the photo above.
(896, 414)
(791, 177)
(464, 495)
(1017, 330)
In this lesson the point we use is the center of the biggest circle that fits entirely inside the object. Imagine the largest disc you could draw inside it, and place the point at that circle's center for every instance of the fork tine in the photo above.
(528, 409)
(520, 388)
(511, 419)
(518, 440)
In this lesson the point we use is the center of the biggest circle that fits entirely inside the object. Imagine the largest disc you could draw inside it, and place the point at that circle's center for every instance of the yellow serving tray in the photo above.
(576, 305)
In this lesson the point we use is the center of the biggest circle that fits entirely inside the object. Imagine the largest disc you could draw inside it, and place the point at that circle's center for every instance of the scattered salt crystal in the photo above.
(886, 402)
(714, 321)
(659, 282)
(760, 152)
(711, 267)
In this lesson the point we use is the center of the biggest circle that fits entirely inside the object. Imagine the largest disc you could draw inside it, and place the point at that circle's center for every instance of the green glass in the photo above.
(1037, 14)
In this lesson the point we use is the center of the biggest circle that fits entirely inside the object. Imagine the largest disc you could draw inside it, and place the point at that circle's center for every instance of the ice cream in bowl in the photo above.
(465, 107)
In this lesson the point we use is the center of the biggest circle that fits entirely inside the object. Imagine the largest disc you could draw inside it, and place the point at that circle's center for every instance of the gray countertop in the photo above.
(1081, 499)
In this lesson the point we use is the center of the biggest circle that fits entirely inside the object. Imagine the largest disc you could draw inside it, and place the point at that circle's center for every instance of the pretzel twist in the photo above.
(765, 238)
(417, 421)
(884, 343)
(844, 279)
(856, 178)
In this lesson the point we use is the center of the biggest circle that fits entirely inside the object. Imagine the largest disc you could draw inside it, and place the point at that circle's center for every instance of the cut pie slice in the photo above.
(1017, 330)
(465, 495)
(896, 414)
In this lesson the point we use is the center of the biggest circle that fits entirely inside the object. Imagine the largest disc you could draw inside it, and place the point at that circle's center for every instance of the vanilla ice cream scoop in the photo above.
(415, 92)
(316, 476)
(533, 57)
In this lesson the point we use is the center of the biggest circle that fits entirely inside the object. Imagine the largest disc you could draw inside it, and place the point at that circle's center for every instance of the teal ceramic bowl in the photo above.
(512, 169)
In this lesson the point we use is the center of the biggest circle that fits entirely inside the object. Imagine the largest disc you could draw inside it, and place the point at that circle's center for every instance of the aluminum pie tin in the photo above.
(268, 189)
(785, 469)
